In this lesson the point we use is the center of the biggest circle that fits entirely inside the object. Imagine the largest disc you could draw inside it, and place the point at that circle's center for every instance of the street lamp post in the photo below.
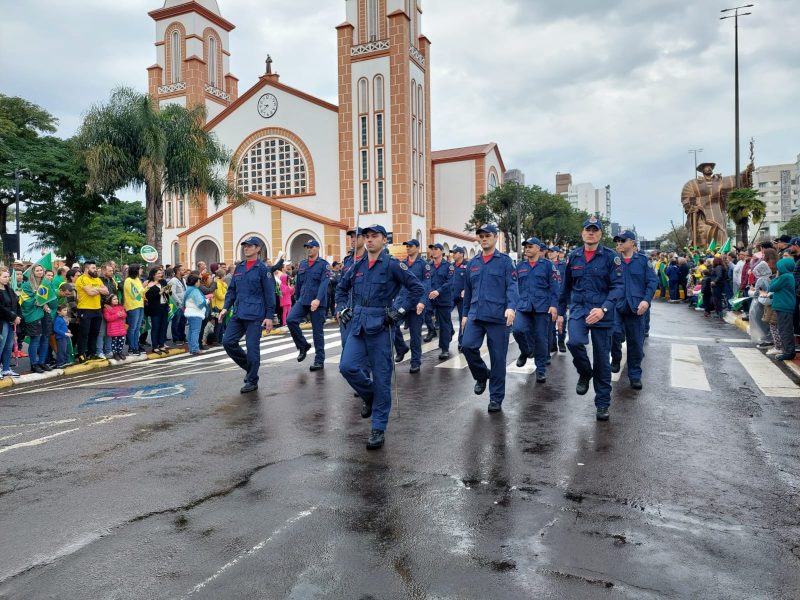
(735, 16)
(17, 176)
(695, 151)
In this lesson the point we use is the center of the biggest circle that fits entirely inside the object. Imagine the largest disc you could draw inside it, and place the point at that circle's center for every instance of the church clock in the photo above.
(267, 105)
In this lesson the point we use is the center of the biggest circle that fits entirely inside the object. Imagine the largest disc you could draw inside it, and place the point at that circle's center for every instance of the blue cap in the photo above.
(376, 229)
(459, 249)
(355, 231)
(593, 222)
(487, 228)
(436, 246)
(534, 241)
(252, 241)
(795, 242)
(554, 249)
(411, 243)
(625, 235)
(311, 244)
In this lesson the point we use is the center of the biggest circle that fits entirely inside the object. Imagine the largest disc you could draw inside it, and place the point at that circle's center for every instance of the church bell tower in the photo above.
(384, 118)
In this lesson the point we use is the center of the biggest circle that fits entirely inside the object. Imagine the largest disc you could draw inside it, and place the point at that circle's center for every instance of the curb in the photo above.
(739, 323)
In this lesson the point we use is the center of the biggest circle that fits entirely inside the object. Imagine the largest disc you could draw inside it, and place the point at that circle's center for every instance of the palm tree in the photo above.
(129, 142)
(744, 206)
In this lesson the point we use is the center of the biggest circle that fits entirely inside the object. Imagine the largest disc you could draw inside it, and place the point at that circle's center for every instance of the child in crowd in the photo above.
(783, 299)
(62, 335)
(116, 328)
(287, 291)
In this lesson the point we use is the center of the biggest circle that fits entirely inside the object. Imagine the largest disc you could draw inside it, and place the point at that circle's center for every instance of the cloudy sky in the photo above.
(613, 91)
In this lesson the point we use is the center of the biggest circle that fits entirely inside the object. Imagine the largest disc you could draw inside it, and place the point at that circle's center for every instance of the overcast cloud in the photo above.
(613, 91)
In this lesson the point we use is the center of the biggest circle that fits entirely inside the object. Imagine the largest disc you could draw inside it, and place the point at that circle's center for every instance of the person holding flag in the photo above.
(33, 302)
(9, 319)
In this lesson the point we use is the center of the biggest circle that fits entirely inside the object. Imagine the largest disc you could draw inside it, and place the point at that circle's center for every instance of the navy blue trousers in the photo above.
(532, 332)
(460, 309)
(629, 326)
(251, 361)
(497, 340)
(444, 318)
(296, 316)
(375, 353)
(414, 322)
(600, 371)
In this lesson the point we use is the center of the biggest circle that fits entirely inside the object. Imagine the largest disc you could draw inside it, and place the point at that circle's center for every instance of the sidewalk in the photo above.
(735, 319)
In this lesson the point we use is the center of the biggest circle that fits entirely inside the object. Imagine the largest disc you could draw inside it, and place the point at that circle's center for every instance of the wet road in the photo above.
(161, 481)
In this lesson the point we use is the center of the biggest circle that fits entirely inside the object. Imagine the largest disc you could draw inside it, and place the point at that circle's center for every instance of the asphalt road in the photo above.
(160, 480)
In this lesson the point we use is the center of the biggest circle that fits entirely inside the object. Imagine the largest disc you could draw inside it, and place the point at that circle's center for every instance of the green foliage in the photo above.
(129, 142)
(792, 226)
(674, 240)
(543, 214)
(745, 206)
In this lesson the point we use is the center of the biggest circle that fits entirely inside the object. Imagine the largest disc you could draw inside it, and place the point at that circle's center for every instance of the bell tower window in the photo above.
(176, 56)
(372, 20)
(212, 62)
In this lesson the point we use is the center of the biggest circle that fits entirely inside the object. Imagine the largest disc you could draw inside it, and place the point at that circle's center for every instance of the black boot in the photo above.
(583, 384)
(375, 440)
(366, 409)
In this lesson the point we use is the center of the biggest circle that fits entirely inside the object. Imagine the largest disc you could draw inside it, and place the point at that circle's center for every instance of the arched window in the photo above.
(363, 101)
(492, 181)
(421, 103)
(378, 92)
(372, 20)
(176, 254)
(413, 98)
(212, 61)
(272, 167)
(176, 56)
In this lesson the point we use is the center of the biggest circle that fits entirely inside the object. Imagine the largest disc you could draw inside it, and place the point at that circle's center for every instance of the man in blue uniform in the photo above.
(490, 299)
(640, 285)
(593, 288)
(538, 283)
(357, 252)
(556, 256)
(375, 282)
(459, 278)
(422, 271)
(440, 297)
(311, 291)
(251, 295)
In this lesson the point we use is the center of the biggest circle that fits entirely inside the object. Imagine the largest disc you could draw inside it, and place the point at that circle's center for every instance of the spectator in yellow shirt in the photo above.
(90, 290)
(133, 298)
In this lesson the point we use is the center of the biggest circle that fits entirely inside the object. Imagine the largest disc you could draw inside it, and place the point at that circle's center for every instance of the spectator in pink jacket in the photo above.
(116, 329)
(287, 292)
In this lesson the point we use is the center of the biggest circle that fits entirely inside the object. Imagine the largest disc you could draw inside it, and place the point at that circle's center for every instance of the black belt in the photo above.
(365, 304)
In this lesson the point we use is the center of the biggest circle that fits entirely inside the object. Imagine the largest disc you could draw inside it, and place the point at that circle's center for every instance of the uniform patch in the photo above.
(617, 261)
(427, 267)
(452, 268)
(404, 266)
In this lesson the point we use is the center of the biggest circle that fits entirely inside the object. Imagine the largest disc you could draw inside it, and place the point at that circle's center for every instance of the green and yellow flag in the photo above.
(46, 261)
(726, 247)
(712, 246)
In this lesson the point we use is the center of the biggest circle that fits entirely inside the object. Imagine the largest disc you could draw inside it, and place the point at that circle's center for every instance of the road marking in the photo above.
(61, 422)
(767, 375)
(259, 546)
(682, 338)
(37, 441)
(686, 368)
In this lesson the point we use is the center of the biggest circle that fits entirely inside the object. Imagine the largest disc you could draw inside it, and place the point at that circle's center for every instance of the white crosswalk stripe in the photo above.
(766, 374)
(687, 369)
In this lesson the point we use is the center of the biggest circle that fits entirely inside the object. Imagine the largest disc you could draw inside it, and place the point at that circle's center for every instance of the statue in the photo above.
(705, 201)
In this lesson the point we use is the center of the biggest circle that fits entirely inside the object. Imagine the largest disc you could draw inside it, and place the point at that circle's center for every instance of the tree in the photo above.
(542, 214)
(792, 226)
(744, 206)
(21, 125)
(674, 239)
(129, 142)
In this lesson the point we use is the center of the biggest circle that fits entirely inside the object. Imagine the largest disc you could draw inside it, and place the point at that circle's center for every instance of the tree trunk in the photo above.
(3, 217)
(741, 233)
(154, 210)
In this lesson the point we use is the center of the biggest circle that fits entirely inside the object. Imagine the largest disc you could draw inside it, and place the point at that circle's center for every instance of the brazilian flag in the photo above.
(173, 308)
(44, 294)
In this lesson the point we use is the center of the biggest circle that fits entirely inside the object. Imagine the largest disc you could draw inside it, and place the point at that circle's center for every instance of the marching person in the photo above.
(557, 338)
(440, 297)
(375, 282)
(538, 283)
(422, 271)
(357, 252)
(490, 300)
(251, 297)
(311, 292)
(640, 286)
(459, 277)
(593, 287)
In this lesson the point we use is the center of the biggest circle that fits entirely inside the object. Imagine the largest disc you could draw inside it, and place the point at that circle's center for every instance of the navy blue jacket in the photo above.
(561, 267)
(442, 282)
(490, 288)
(539, 286)
(347, 264)
(459, 279)
(374, 290)
(598, 283)
(640, 282)
(251, 293)
(312, 282)
(422, 271)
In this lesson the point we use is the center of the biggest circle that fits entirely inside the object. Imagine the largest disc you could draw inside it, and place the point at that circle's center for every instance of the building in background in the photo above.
(515, 175)
(779, 188)
(584, 196)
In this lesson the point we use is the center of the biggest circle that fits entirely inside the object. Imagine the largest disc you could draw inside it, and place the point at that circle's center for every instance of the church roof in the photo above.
(208, 4)
(467, 153)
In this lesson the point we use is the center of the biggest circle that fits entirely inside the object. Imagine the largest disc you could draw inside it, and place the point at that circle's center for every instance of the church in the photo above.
(309, 167)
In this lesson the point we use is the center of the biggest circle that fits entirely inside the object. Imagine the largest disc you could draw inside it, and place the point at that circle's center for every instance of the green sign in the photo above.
(149, 254)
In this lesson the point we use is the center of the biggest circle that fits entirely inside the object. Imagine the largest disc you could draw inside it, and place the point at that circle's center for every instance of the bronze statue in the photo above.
(705, 201)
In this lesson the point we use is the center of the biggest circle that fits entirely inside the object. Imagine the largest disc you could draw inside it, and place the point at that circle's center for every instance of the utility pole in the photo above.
(519, 223)
(695, 151)
(735, 17)
(17, 176)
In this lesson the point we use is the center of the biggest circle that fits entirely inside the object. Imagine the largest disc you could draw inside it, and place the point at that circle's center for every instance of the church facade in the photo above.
(310, 168)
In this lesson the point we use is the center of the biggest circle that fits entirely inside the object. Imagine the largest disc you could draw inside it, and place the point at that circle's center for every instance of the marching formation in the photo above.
(548, 304)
